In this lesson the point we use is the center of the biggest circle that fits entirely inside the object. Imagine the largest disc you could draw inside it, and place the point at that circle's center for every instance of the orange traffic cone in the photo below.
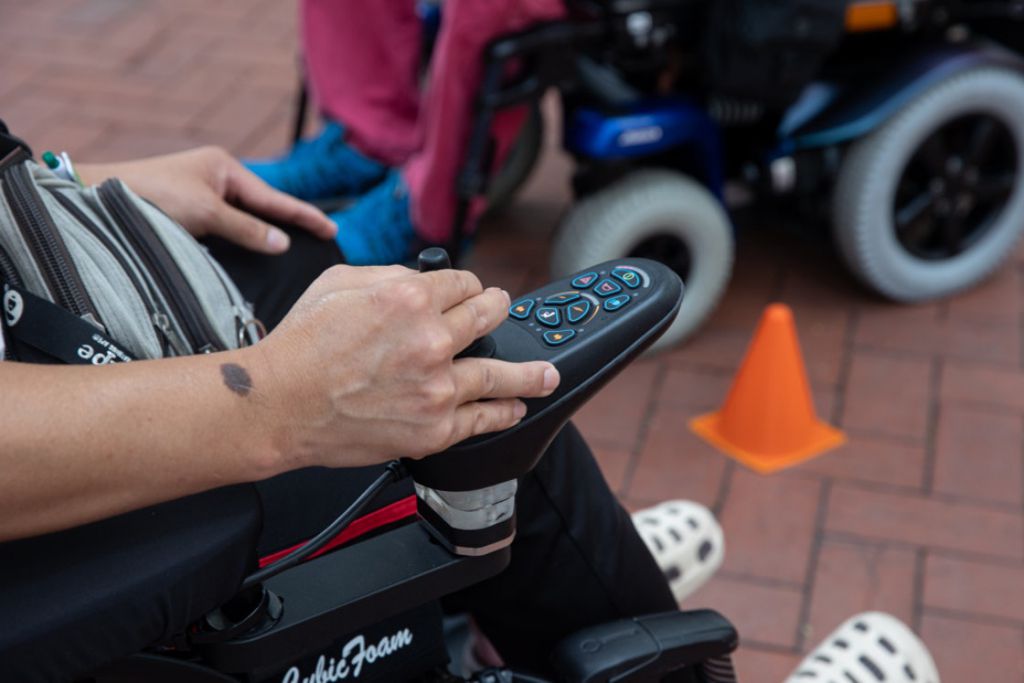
(768, 420)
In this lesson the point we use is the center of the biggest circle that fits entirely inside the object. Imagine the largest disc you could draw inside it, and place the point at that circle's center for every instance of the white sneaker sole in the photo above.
(869, 648)
(686, 542)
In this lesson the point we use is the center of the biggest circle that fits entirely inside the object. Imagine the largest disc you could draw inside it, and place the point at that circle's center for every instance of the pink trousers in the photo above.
(362, 60)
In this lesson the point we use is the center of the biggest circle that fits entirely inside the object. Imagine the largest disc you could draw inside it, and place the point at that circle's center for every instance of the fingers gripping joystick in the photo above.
(436, 258)
(589, 325)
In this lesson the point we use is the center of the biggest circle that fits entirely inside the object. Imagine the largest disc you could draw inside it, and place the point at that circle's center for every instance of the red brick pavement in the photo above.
(920, 514)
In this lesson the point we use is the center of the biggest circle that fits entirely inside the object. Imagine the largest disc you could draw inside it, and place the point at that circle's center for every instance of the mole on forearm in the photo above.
(236, 378)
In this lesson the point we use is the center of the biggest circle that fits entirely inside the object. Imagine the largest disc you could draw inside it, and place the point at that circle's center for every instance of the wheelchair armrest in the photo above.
(645, 647)
(351, 589)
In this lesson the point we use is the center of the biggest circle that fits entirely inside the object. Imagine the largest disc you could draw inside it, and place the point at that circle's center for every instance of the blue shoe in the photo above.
(377, 230)
(320, 168)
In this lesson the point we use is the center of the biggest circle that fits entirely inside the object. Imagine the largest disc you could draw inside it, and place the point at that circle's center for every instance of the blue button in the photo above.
(558, 337)
(563, 298)
(607, 287)
(616, 302)
(578, 311)
(585, 280)
(627, 275)
(520, 310)
(549, 316)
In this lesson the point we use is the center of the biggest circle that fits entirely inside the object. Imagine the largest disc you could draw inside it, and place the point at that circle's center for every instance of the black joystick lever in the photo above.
(434, 258)
(590, 325)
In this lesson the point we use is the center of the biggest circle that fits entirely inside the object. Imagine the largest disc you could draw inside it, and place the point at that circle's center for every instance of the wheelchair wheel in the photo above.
(520, 162)
(657, 214)
(933, 200)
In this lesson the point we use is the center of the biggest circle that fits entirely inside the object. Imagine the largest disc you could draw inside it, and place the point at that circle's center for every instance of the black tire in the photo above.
(646, 214)
(520, 162)
(908, 219)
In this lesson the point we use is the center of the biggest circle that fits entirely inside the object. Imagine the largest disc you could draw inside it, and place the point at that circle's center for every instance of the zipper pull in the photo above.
(248, 328)
(163, 323)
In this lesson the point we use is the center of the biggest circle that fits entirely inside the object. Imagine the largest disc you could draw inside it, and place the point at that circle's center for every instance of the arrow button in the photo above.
(578, 311)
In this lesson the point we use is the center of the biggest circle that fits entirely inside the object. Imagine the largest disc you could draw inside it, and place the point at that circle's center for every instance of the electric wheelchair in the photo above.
(366, 610)
(899, 122)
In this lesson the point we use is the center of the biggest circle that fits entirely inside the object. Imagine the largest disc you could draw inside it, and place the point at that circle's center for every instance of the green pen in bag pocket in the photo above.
(61, 166)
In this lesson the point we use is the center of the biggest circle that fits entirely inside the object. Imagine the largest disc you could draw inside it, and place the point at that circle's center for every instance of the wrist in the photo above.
(270, 424)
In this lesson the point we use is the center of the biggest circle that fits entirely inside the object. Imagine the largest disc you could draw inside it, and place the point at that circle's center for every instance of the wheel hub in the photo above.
(955, 186)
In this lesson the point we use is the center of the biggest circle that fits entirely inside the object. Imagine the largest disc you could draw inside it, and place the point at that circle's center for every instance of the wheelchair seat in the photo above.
(75, 599)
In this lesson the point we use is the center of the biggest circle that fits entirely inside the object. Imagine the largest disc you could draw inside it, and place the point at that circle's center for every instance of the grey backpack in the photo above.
(98, 274)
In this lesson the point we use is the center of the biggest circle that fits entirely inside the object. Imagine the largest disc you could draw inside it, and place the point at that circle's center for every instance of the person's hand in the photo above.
(210, 193)
(361, 369)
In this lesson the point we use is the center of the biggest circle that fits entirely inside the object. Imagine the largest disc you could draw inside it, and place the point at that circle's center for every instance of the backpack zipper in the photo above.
(7, 270)
(37, 228)
(241, 322)
(157, 317)
(164, 269)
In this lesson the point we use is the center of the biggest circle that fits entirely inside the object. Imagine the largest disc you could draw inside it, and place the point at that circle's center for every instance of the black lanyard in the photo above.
(36, 326)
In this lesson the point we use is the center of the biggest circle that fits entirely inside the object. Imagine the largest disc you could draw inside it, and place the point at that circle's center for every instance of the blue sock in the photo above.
(322, 167)
(377, 229)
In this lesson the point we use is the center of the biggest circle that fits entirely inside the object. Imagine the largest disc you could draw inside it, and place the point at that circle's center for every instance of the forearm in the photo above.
(81, 443)
(361, 371)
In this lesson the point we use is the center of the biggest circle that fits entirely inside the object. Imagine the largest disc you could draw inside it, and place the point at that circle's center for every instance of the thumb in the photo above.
(250, 232)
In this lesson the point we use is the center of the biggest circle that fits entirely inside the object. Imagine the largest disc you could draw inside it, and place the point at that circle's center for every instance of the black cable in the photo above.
(393, 472)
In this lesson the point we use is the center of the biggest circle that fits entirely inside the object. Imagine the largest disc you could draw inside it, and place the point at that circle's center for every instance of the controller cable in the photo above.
(393, 472)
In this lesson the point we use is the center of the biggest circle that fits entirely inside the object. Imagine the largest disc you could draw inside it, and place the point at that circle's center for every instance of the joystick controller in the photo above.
(589, 325)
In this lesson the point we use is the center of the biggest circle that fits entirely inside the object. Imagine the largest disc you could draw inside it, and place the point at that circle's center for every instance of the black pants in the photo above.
(577, 559)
